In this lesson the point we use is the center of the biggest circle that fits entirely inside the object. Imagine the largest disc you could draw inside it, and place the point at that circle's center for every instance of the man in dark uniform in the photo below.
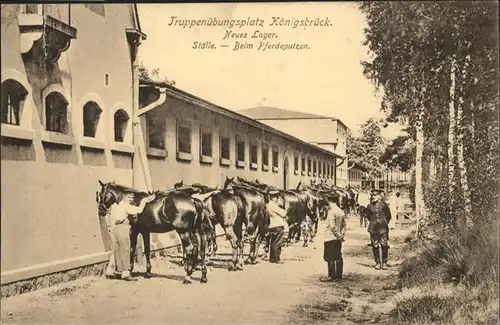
(379, 216)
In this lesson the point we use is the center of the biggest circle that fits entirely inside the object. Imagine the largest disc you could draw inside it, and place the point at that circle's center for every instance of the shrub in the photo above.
(451, 280)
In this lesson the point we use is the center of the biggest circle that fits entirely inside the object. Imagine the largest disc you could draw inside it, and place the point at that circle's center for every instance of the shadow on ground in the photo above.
(357, 299)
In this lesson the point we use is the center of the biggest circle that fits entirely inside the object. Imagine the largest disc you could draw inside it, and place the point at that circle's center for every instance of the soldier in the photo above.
(379, 214)
(334, 236)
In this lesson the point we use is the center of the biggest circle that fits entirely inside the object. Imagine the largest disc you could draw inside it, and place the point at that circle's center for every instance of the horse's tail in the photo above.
(200, 215)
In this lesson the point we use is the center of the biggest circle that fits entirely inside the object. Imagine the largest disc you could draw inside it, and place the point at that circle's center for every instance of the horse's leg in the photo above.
(133, 247)
(146, 236)
(240, 244)
(253, 248)
(202, 248)
(188, 248)
(231, 237)
(298, 233)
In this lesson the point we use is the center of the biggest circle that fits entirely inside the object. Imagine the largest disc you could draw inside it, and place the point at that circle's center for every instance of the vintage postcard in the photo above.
(250, 163)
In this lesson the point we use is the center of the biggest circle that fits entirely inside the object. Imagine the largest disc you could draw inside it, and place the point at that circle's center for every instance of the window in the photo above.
(13, 95)
(275, 157)
(91, 114)
(206, 143)
(97, 8)
(120, 120)
(332, 167)
(303, 164)
(265, 154)
(224, 148)
(31, 9)
(296, 163)
(184, 138)
(56, 108)
(324, 169)
(253, 153)
(240, 149)
(157, 129)
(319, 168)
(314, 168)
(309, 166)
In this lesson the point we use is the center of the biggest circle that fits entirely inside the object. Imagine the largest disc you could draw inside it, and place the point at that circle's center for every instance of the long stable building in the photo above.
(74, 112)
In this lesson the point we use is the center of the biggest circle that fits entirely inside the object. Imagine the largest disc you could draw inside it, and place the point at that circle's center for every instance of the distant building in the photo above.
(355, 175)
(325, 132)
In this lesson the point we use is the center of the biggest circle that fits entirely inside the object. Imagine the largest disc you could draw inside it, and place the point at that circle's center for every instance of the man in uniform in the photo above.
(334, 236)
(379, 216)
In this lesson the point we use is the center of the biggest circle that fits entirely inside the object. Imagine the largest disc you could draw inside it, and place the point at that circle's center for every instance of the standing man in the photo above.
(395, 206)
(119, 228)
(334, 236)
(379, 216)
(277, 217)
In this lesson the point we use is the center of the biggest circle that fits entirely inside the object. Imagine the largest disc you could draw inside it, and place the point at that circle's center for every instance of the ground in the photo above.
(260, 294)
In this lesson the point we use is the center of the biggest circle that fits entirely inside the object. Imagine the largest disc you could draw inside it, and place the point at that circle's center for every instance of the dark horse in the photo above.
(237, 205)
(293, 202)
(168, 211)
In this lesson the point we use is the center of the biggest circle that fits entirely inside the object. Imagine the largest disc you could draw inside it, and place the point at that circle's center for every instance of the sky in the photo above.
(324, 77)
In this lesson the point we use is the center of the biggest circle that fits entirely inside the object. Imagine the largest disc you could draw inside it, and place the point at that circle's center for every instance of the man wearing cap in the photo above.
(277, 217)
(379, 216)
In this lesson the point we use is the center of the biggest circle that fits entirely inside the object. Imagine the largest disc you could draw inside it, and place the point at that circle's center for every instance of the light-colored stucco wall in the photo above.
(49, 210)
(168, 170)
(325, 133)
(308, 130)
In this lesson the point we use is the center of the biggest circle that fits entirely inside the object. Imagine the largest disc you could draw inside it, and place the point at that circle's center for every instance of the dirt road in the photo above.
(265, 293)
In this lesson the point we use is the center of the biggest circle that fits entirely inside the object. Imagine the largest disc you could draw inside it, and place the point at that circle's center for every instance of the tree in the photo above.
(367, 149)
(437, 64)
(146, 74)
(400, 154)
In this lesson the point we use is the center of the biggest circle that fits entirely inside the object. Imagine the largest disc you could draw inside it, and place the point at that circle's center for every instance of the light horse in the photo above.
(168, 211)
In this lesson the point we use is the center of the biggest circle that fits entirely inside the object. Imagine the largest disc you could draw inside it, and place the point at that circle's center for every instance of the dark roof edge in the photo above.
(296, 118)
(233, 114)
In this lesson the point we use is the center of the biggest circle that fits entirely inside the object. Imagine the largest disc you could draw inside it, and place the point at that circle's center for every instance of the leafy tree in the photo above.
(400, 153)
(367, 149)
(151, 75)
(437, 63)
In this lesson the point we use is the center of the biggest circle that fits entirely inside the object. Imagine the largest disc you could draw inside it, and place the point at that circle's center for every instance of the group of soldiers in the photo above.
(379, 216)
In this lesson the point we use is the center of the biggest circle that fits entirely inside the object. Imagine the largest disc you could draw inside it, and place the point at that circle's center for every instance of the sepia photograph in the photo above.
(223, 163)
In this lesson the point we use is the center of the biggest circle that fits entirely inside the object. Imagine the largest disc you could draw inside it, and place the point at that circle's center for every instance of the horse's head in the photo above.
(179, 185)
(228, 182)
(106, 197)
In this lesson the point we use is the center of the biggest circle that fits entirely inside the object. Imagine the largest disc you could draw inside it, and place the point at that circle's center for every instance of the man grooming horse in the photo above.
(119, 228)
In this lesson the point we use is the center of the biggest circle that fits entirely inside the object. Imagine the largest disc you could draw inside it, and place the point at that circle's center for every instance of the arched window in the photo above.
(13, 95)
(56, 112)
(91, 115)
(120, 120)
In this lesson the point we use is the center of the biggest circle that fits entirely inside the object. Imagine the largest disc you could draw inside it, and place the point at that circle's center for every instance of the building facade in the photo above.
(197, 141)
(355, 176)
(325, 132)
(67, 105)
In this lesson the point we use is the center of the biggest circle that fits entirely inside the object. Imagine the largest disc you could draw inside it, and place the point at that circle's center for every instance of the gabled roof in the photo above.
(229, 113)
(274, 113)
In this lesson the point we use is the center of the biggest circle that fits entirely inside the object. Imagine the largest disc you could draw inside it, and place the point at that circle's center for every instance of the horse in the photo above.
(253, 215)
(168, 211)
(310, 196)
(202, 193)
(295, 204)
